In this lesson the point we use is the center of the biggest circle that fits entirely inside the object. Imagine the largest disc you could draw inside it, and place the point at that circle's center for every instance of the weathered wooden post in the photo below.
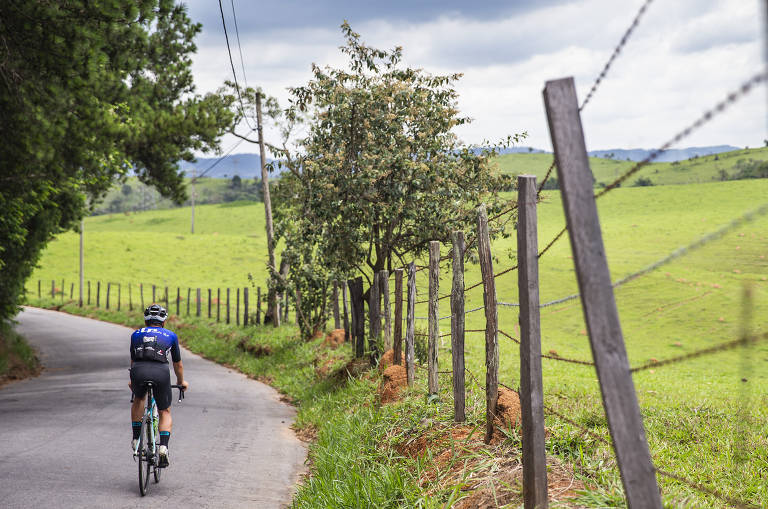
(189, 298)
(384, 280)
(434, 325)
(89, 293)
(531, 385)
(237, 307)
(109, 288)
(154, 298)
(410, 326)
(198, 302)
(218, 305)
(227, 305)
(457, 326)
(62, 290)
(374, 318)
(598, 303)
(39, 290)
(141, 295)
(258, 305)
(119, 290)
(397, 348)
(335, 298)
(245, 305)
(356, 296)
(53, 288)
(346, 316)
(71, 290)
(178, 301)
(98, 293)
(491, 322)
(166, 298)
(209, 303)
(130, 298)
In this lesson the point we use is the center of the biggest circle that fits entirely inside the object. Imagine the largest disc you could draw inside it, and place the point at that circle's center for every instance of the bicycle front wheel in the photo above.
(144, 448)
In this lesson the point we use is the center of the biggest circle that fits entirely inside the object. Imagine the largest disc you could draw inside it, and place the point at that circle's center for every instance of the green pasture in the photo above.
(703, 422)
(693, 171)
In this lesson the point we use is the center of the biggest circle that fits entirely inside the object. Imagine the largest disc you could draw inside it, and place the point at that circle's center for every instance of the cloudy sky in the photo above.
(685, 56)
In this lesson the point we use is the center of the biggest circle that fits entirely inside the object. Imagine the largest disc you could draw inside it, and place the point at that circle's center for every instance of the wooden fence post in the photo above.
(72, 291)
(258, 305)
(98, 293)
(237, 307)
(198, 302)
(178, 301)
(166, 298)
(457, 326)
(189, 298)
(335, 298)
(218, 305)
(491, 322)
(410, 325)
(384, 280)
(358, 332)
(119, 290)
(346, 316)
(531, 385)
(109, 288)
(53, 288)
(154, 294)
(141, 294)
(397, 348)
(62, 290)
(434, 325)
(130, 298)
(598, 303)
(89, 293)
(39, 290)
(245, 305)
(227, 305)
(209, 303)
(374, 318)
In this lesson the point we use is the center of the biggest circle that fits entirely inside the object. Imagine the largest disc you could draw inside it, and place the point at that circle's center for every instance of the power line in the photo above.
(232, 65)
(227, 154)
(239, 47)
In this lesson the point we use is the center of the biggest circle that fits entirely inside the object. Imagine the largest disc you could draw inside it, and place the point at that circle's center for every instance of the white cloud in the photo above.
(683, 58)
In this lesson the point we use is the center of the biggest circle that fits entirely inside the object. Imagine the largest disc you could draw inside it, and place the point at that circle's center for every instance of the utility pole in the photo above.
(194, 175)
(82, 257)
(272, 313)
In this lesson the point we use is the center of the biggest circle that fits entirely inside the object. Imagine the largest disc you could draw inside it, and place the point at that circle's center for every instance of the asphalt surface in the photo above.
(65, 435)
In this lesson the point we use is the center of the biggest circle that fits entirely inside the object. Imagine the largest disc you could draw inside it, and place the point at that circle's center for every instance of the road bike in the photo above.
(148, 445)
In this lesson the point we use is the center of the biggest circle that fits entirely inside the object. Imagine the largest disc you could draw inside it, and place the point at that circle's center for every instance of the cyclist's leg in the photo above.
(137, 406)
(163, 397)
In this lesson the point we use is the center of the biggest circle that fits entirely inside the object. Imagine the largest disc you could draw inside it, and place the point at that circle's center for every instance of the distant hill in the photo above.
(671, 155)
(244, 165)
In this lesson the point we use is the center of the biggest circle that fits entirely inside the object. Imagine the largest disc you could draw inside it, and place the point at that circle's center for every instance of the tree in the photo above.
(379, 173)
(90, 90)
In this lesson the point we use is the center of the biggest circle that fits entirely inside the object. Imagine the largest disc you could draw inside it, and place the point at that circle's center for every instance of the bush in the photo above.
(643, 182)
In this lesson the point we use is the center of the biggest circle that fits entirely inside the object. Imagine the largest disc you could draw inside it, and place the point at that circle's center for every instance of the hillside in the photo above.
(695, 170)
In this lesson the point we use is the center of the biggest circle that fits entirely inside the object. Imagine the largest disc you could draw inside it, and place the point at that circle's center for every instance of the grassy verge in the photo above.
(17, 358)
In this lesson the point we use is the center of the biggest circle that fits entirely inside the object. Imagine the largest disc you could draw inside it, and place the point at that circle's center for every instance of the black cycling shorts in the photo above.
(156, 372)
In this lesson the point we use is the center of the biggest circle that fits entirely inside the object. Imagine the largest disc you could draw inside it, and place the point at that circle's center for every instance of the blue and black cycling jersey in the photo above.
(154, 344)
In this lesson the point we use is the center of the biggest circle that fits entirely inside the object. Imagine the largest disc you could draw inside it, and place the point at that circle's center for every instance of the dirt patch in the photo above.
(388, 359)
(394, 379)
(256, 350)
(352, 369)
(335, 338)
(307, 433)
(508, 408)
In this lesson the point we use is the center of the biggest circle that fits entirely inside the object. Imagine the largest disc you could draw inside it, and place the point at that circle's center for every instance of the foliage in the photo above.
(643, 182)
(379, 173)
(88, 91)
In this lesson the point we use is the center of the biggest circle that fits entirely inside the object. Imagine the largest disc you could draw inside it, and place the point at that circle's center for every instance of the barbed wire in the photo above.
(744, 341)
(710, 491)
(679, 252)
(708, 115)
(616, 53)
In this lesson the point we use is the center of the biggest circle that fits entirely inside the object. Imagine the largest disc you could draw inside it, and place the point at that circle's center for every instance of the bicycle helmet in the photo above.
(155, 313)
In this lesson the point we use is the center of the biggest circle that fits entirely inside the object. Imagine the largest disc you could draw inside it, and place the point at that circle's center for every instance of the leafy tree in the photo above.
(379, 172)
(236, 182)
(643, 182)
(90, 90)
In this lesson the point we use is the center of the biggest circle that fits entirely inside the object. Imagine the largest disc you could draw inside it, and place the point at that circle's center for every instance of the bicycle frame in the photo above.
(152, 424)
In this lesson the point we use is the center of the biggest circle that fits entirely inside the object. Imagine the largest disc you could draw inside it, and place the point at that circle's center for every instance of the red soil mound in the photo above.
(508, 408)
(395, 378)
(388, 359)
(334, 339)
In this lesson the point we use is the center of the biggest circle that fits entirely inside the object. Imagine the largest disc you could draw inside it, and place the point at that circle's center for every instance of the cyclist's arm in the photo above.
(178, 368)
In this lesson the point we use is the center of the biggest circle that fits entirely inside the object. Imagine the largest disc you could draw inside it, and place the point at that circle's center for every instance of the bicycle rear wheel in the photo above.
(144, 457)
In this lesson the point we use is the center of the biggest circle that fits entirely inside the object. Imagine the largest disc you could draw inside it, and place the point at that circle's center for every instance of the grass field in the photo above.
(702, 420)
(694, 171)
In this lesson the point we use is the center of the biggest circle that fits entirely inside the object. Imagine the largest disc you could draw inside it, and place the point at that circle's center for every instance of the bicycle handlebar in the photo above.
(174, 386)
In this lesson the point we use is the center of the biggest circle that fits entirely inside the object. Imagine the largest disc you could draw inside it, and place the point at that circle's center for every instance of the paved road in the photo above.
(65, 435)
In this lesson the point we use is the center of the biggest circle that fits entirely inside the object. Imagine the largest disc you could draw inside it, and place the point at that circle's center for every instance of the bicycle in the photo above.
(147, 448)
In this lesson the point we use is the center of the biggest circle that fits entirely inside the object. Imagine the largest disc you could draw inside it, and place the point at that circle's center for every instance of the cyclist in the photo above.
(150, 348)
